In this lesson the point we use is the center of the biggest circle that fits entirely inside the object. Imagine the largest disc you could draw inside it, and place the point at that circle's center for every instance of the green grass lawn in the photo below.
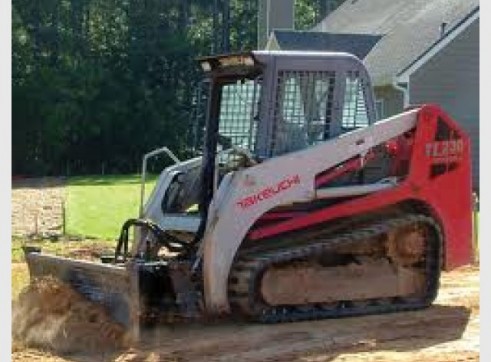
(97, 206)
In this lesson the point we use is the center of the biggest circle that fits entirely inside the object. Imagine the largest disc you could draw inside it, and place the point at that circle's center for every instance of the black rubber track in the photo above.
(247, 273)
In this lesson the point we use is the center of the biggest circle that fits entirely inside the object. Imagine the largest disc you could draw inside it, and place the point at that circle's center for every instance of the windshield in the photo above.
(237, 126)
(305, 106)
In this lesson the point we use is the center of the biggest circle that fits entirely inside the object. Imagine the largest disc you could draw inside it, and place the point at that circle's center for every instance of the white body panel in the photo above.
(247, 194)
(342, 191)
(153, 207)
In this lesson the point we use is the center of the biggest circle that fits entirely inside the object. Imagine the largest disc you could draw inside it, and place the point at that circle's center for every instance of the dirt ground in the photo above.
(448, 331)
(37, 206)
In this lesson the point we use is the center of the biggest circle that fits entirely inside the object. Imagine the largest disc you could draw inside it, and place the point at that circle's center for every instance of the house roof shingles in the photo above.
(407, 27)
(357, 44)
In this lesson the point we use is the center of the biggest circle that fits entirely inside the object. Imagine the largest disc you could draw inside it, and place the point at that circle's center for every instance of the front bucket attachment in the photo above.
(113, 286)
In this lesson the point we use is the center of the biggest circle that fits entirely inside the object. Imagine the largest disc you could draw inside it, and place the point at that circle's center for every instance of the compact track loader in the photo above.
(300, 206)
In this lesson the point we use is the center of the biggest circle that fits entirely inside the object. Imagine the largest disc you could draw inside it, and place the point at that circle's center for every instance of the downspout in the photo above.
(404, 88)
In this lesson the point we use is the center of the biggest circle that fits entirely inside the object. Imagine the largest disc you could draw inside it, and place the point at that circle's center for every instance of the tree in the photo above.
(97, 83)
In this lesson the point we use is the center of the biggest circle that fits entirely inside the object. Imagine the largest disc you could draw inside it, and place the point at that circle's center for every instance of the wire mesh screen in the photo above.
(303, 109)
(237, 125)
(354, 108)
(237, 109)
(200, 104)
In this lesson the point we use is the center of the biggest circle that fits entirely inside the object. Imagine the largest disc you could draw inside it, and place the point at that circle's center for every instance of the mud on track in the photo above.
(448, 331)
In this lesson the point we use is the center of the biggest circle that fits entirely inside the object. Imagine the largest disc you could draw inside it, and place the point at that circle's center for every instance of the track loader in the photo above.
(301, 205)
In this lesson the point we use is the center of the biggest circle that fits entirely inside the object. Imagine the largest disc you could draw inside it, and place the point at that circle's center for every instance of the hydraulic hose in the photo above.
(164, 238)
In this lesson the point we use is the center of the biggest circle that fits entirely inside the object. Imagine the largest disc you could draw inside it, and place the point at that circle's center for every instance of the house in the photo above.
(415, 51)
(357, 44)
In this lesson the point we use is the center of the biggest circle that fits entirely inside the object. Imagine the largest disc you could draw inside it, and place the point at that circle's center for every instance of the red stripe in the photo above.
(349, 166)
(364, 204)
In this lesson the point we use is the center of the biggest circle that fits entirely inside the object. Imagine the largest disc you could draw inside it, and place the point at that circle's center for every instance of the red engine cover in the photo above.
(439, 175)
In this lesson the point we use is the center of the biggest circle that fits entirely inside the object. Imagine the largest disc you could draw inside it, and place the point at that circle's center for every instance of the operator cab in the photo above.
(260, 105)
(275, 102)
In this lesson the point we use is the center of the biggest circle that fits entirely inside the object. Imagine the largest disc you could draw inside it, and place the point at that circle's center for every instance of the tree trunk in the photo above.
(226, 26)
(215, 46)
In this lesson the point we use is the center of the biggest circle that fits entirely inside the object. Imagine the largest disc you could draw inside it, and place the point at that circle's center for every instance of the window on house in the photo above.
(379, 109)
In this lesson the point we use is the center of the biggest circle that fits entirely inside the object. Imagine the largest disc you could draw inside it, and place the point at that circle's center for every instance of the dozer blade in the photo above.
(115, 287)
